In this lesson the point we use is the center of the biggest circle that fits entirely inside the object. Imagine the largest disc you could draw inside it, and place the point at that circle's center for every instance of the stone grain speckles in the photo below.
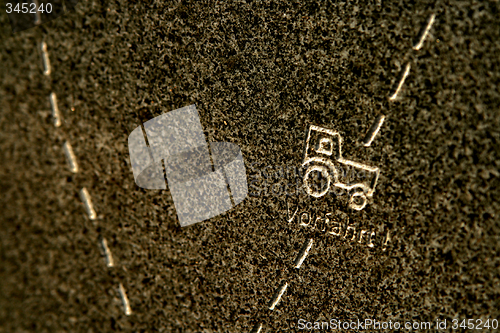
(286, 72)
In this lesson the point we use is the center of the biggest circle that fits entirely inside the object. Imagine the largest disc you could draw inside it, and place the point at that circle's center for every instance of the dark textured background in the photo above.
(259, 73)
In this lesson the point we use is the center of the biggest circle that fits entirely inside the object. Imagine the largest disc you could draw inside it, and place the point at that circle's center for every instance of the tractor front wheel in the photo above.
(317, 180)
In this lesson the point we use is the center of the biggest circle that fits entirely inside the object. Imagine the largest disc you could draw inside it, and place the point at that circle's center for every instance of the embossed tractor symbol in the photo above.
(323, 155)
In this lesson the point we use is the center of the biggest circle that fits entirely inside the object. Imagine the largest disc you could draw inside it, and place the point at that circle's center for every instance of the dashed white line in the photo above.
(70, 156)
(303, 253)
(425, 32)
(406, 71)
(373, 131)
(55, 109)
(84, 195)
(126, 303)
(107, 253)
(278, 295)
(45, 57)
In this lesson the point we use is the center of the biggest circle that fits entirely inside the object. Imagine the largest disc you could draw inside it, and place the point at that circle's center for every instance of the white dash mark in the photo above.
(70, 156)
(38, 19)
(45, 57)
(373, 131)
(424, 32)
(303, 253)
(257, 328)
(107, 252)
(401, 82)
(126, 304)
(84, 195)
(55, 110)
(278, 295)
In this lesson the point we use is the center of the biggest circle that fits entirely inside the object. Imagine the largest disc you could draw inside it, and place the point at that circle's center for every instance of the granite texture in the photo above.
(259, 73)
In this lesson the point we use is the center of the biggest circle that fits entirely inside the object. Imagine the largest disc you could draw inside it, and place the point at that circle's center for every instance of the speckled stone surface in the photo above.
(259, 73)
